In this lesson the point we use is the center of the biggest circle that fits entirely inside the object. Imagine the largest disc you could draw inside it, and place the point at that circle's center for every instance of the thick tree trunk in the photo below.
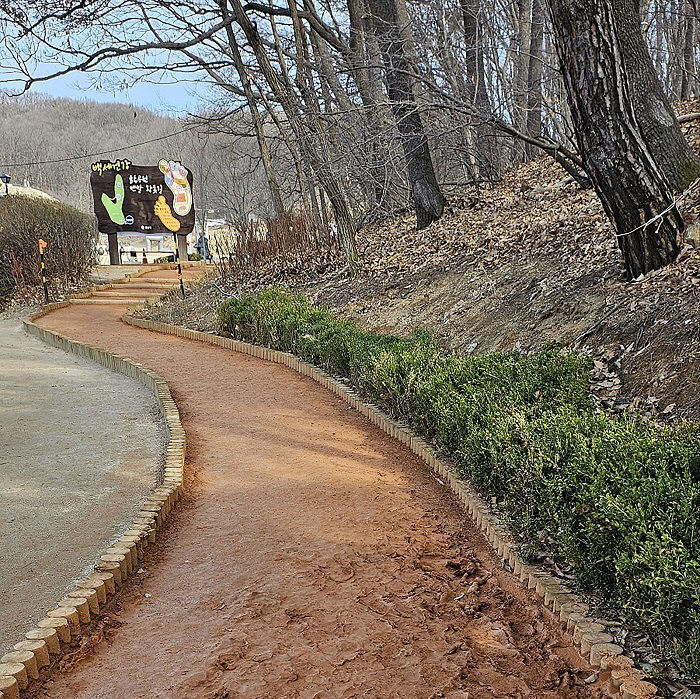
(630, 142)
(428, 201)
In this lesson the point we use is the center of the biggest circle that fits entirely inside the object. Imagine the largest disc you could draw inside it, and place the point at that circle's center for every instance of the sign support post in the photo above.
(179, 266)
(113, 244)
(42, 245)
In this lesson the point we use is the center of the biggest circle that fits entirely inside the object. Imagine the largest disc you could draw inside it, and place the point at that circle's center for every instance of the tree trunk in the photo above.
(428, 201)
(284, 93)
(258, 125)
(361, 73)
(688, 70)
(534, 74)
(631, 145)
(487, 149)
(366, 61)
(520, 75)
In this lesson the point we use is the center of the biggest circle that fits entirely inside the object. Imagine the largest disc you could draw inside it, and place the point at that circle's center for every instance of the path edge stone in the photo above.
(52, 635)
(624, 681)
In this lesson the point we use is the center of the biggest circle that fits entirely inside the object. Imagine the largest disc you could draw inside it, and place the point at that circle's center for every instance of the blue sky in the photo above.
(173, 99)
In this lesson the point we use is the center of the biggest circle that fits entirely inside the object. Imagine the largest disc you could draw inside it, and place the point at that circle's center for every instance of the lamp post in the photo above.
(6, 181)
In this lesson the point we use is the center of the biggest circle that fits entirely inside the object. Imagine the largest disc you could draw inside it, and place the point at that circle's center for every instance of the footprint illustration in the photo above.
(163, 212)
(176, 174)
(114, 206)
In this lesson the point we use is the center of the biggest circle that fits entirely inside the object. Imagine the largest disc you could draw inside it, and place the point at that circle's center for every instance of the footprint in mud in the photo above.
(490, 636)
(497, 684)
(338, 570)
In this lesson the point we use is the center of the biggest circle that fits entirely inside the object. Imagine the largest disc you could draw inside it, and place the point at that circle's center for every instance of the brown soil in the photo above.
(312, 556)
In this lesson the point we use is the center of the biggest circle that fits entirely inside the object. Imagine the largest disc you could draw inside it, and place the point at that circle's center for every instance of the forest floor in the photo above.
(514, 264)
(310, 556)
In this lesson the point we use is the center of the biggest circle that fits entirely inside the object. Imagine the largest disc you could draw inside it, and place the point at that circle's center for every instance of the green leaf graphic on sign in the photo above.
(114, 206)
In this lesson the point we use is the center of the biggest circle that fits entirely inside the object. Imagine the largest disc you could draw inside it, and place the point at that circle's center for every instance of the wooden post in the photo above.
(182, 247)
(113, 249)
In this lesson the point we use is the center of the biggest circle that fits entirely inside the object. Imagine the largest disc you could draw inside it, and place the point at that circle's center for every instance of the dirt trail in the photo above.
(312, 556)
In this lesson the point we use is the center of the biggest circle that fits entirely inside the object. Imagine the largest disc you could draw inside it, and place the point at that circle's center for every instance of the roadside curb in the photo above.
(591, 634)
(50, 638)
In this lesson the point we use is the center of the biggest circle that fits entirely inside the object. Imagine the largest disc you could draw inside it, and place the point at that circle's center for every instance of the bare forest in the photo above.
(49, 143)
(354, 111)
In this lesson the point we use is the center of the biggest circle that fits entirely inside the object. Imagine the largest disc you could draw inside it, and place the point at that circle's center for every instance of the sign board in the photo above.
(142, 199)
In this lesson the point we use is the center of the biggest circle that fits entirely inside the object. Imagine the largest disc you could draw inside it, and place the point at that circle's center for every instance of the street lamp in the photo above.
(6, 180)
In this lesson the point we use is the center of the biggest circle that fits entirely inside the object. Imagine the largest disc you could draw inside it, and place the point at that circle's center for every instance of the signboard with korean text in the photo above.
(142, 199)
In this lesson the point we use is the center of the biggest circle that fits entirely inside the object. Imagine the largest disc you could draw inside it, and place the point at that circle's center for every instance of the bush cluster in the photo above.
(70, 234)
(615, 497)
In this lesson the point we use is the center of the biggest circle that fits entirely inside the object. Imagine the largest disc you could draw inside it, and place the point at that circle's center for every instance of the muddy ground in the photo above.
(312, 556)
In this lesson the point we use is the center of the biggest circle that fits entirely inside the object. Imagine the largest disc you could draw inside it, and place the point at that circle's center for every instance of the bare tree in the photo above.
(632, 147)
(356, 111)
(428, 201)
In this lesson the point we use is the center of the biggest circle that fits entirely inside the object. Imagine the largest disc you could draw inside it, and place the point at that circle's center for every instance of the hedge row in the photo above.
(71, 236)
(617, 498)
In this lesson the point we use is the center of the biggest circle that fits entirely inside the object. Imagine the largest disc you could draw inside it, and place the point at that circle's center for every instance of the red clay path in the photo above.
(311, 557)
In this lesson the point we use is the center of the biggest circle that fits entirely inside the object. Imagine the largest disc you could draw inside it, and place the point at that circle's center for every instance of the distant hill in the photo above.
(38, 128)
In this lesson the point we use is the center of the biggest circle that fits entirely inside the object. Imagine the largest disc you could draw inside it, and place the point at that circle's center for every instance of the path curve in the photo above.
(311, 556)
(80, 449)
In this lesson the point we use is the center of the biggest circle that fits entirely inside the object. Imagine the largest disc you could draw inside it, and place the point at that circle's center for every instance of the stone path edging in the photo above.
(590, 633)
(50, 638)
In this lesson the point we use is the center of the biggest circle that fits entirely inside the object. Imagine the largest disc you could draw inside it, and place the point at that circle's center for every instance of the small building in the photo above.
(133, 245)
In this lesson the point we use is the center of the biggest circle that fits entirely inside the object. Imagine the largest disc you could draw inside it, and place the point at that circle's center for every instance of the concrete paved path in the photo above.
(79, 450)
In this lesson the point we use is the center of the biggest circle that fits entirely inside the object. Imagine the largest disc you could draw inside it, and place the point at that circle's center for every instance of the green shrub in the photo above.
(617, 498)
(70, 234)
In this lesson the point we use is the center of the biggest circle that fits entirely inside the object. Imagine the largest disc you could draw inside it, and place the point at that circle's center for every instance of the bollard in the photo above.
(179, 266)
(42, 246)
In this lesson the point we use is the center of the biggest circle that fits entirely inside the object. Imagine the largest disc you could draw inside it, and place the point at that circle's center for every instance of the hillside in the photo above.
(516, 264)
(40, 129)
